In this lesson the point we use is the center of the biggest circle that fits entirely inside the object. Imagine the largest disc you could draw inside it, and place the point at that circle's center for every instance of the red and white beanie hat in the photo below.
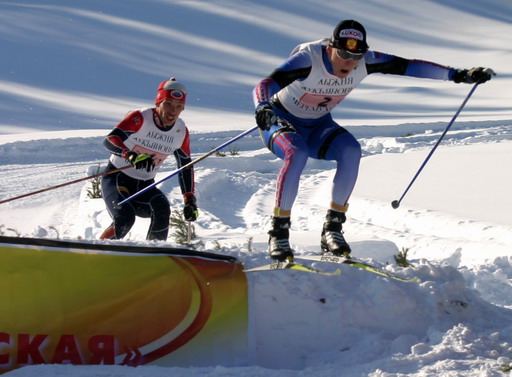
(171, 89)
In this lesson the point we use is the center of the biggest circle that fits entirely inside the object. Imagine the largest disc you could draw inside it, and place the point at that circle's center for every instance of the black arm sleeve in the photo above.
(395, 66)
(186, 176)
(285, 78)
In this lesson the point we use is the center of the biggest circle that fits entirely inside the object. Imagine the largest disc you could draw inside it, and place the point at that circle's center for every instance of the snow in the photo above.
(70, 71)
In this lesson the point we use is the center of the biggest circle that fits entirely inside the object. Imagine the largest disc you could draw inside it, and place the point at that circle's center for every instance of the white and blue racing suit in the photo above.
(303, 91)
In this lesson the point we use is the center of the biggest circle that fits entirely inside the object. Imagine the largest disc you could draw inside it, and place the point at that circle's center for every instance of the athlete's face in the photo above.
(341, 67)
(169, 110)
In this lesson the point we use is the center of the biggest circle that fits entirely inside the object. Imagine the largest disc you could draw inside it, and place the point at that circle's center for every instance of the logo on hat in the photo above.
(176, 94)
(351, 44)
(351, 33)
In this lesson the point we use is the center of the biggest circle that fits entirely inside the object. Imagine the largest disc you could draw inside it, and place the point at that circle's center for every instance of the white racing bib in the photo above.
(151, 140)
(321, 91)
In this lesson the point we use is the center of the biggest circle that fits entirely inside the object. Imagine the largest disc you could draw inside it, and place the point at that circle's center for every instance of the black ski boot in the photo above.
(332, 236)
(278, 244)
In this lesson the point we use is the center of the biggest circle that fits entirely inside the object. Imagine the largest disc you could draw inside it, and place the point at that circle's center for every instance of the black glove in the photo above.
(473, 75)
(190, 211)
(140, 161)
(265, 116)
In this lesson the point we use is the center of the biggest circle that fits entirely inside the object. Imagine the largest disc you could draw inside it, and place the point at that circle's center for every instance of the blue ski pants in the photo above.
(321, 139)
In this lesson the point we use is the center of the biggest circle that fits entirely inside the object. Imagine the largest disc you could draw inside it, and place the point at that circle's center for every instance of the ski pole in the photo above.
(64, 184)
(396, 203)
(189, 232)
(190, 164)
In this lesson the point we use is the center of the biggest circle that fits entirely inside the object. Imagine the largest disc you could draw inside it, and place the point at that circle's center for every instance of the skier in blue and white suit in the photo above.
(293, 111)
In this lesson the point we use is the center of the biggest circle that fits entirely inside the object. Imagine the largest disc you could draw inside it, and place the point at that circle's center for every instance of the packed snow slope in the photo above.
(70, 71)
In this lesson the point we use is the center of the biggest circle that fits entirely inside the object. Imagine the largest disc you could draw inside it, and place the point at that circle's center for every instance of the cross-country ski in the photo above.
(354, 263)
(291, 266)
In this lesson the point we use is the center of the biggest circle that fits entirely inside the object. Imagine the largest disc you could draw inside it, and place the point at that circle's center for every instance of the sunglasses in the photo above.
(344, 54)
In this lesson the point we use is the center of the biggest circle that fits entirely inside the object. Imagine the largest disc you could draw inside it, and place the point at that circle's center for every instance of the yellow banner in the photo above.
(79, 303)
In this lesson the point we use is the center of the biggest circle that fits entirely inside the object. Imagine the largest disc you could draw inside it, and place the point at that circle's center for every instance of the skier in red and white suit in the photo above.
(143, 140)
